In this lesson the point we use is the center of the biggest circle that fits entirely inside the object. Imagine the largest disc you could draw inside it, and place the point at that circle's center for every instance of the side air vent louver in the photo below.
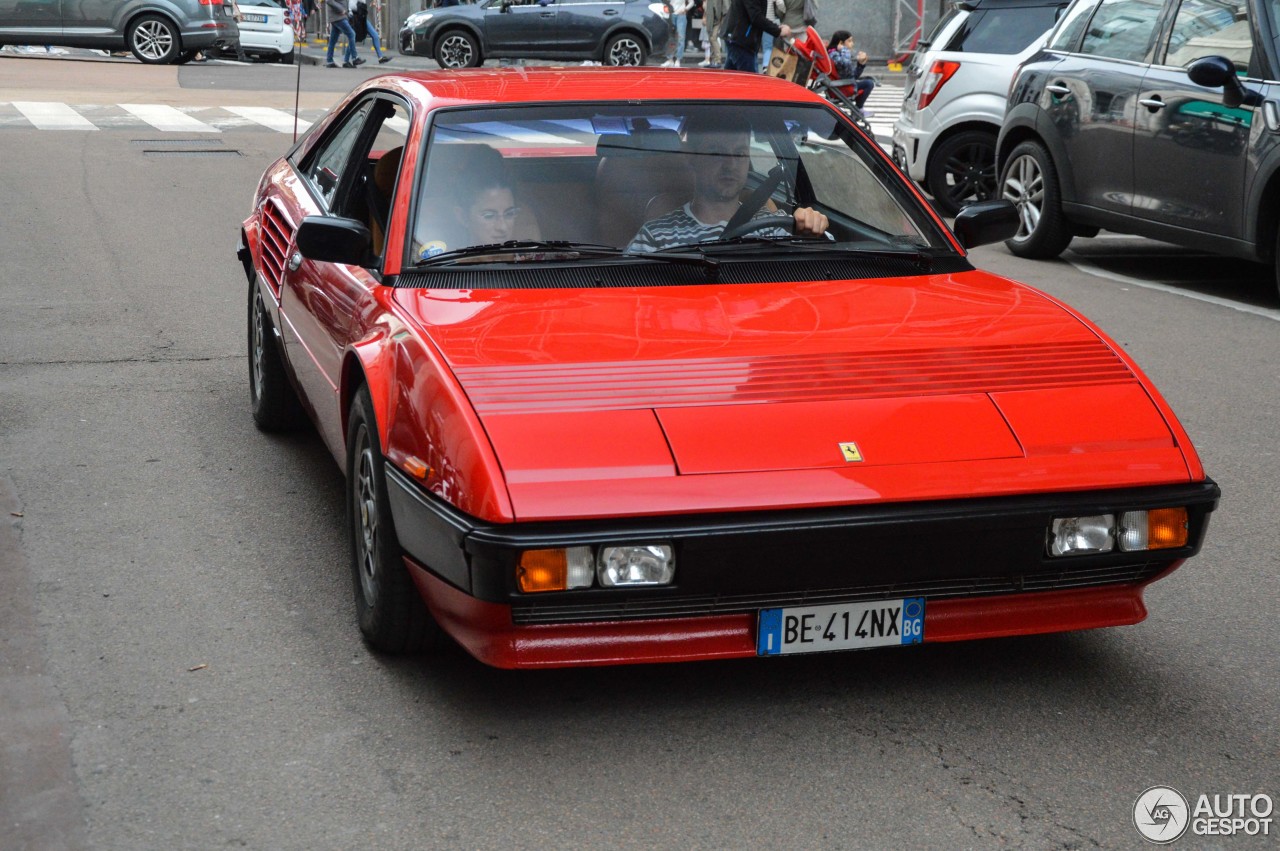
(277, 235)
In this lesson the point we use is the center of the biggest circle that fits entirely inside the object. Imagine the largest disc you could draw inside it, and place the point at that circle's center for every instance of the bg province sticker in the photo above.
(1161, 814)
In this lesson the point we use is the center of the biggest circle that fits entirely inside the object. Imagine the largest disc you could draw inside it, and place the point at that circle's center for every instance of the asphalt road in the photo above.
(179, 666)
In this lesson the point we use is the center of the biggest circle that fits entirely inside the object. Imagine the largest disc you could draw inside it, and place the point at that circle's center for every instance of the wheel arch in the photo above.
(446, 28)
(627, 28)
(961, 127)
(1265, 208)
(151, 12)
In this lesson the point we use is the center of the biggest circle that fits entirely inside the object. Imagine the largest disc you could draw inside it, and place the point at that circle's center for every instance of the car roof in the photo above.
(505, 85)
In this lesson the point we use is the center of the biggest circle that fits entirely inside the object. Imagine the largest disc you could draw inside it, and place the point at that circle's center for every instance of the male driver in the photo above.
(748, 21)
(720, 156)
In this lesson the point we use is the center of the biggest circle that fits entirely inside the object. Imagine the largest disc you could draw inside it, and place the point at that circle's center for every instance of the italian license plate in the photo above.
(256, 19)
(849, 626)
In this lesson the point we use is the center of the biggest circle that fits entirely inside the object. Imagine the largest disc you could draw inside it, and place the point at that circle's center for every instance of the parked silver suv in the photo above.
(945, 137)
(156, 31)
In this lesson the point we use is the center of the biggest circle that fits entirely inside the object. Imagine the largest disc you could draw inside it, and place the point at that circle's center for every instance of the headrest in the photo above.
(386, 169)
(653, 141)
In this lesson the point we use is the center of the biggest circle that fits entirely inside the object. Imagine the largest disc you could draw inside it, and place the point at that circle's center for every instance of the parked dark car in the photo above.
(1150, 118)
(156, 31)
(614, 32)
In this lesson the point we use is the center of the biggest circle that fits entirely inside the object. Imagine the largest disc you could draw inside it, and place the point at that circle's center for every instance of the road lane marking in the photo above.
(1088, 268)
(167, 118)
(276, 119)
(53, 116)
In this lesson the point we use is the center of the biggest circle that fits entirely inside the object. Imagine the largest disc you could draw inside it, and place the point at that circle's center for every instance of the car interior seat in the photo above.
(632, 170)
(379, 197)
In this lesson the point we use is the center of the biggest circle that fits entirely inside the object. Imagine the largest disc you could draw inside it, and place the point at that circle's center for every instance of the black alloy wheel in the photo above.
(154, 40)
(392, 616)
(275, 403)
(962, 169)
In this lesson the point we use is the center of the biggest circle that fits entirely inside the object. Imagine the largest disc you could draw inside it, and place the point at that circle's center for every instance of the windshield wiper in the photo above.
(923, 256)
(564, 250)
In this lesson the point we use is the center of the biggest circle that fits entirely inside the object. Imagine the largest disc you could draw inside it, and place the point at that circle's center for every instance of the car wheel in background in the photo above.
(1030, 181)
(625, 49)
(184, 57)
(285, 58)
(457, 49)
(275, 402)
(392, 616)
(962, 169)
(154, 40)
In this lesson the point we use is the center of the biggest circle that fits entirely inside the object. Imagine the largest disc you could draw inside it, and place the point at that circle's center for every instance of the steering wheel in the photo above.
(778, 221)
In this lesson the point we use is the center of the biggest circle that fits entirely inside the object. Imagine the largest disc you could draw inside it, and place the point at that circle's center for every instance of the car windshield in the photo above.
(729, 179)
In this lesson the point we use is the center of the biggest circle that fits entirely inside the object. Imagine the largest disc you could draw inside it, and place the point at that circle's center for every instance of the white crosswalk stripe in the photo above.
(167, 118)
(276, 119)
(885, 102)
(53, 116)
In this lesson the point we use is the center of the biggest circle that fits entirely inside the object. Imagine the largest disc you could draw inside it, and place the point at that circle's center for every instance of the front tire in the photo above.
(392, 616)
(457, 49)
(962, 170)
(275, 403)
(154, 40)
(1030, 181)
(625, 49)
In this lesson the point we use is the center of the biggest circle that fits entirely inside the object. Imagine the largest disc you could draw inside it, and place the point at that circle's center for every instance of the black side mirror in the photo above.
(986, 222)
(333, 239)
(1218, 71)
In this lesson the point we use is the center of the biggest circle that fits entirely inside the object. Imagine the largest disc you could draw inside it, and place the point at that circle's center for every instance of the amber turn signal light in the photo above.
(555, 570)
(1155, 529)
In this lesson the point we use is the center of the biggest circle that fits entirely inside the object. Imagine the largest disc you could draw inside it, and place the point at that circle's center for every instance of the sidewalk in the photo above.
(313, 53)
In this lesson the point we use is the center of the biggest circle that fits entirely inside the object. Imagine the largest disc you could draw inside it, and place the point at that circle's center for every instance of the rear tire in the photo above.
(625, 49)
(1030, 181)
(392, 616)
(276, 407)
(154, 40)
(962, 170)
(285, 58)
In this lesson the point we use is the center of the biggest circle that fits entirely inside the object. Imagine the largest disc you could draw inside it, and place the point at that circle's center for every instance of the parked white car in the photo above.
(957, 84)
(266, 29)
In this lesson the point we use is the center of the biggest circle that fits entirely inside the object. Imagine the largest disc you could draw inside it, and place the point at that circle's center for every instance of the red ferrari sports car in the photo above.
(631, 365)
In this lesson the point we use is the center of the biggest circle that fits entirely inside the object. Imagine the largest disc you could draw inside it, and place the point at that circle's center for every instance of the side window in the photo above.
(1218, 28)
(1122, 29)
(1003, 31)
(1068, 34)
(330, 162)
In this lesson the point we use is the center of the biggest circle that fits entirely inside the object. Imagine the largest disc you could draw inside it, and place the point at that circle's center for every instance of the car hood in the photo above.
(614, 402)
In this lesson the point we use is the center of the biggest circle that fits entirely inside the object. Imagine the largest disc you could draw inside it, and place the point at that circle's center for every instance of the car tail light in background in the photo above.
(210, 2)
(1137, 531)
(934, 79)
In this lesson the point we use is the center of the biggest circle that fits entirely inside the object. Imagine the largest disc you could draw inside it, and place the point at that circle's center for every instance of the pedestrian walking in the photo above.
(359, 10)
(680, 19)
(339, 25)
(714, 12)
(746, 23)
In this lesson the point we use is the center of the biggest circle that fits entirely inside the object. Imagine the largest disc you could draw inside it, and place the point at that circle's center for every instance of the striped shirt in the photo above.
(682, 227)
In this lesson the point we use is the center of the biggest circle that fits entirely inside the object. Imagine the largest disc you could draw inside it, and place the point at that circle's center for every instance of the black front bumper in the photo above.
(743, 562)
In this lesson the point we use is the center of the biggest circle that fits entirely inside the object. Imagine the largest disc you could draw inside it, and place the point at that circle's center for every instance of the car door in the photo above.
(1091, 97)
(1190, 149)
(319, 299)
(22, 21)
(582, 24)
(520, 28)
